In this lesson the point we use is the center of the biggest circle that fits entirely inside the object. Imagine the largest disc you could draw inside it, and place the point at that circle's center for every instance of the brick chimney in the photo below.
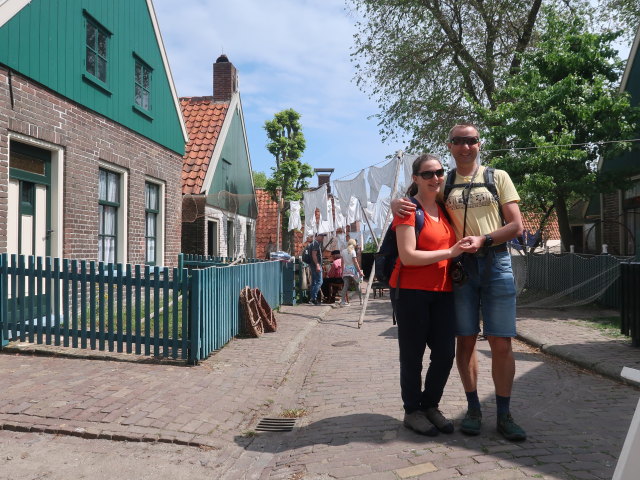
(324, 176)
(225, 79)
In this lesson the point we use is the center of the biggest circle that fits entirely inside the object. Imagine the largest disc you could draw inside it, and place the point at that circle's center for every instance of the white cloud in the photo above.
(289, 54)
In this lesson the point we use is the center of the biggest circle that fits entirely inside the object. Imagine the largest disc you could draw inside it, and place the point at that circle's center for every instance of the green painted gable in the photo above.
(629, 161)
(233, 173)
(47, 42)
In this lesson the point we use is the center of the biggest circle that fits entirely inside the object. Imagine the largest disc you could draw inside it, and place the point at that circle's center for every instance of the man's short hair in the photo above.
(335, 252)
(462, 125)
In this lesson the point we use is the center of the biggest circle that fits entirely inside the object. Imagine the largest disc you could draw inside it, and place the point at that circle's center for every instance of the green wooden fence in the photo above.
(177, 313)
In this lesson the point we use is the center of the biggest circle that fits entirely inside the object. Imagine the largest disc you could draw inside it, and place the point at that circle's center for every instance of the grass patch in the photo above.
(293, 413)
(609, 326)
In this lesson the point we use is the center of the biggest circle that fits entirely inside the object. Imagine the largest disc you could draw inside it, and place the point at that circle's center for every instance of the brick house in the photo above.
(91, 134)
(616, 216)
(267, 226)
(219, 203)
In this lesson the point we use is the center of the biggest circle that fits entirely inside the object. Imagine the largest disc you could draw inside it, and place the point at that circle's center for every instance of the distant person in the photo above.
(316, 268)
(486, 223)
(351, 271)
(334, 275)
(424, 307)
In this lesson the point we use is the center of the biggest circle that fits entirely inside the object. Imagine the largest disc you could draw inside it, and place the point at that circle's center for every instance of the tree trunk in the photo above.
(563, 222)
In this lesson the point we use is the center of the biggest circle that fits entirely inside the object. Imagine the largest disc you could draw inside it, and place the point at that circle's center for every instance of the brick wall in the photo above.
(88, 138)
(225, 79)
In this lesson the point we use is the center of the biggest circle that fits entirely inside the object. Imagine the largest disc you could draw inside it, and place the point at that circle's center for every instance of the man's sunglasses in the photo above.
(464, 140)
(428, 174)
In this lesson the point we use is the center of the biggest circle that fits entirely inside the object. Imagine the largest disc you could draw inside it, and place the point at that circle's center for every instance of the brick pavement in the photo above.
(345, 380)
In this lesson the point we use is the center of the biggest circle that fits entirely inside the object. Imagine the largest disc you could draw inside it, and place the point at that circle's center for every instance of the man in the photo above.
(333, 280)
(316, 268)
(490, 287)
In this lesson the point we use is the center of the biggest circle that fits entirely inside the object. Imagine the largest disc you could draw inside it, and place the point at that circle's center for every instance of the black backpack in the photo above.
(385, 258)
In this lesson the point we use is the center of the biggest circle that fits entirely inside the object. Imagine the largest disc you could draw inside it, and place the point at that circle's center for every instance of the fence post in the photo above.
(4, 298)
(195, 295)
(180, 261)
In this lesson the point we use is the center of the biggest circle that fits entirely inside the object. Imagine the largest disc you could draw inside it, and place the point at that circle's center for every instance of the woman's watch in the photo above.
(488, 241)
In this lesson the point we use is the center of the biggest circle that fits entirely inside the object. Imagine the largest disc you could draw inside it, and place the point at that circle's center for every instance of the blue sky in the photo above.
(289, 54)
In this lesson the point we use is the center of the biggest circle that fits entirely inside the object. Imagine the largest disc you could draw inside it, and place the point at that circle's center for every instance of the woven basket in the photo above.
(252, 324)
(266, 313)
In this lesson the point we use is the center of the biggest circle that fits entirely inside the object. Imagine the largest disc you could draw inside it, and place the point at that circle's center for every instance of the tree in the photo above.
(288, 179)
(565, 102)
(426, 61)
(622, 14)
(259, 179)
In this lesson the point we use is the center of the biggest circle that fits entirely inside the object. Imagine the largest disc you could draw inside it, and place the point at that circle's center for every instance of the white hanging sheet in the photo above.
(379, 176)
(346, 189)
(295, 222)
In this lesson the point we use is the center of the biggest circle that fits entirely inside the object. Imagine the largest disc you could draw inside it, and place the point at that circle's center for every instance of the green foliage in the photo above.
(370, 246)
(565, 93)
(289, 176)
(259, 179)
(426, 62)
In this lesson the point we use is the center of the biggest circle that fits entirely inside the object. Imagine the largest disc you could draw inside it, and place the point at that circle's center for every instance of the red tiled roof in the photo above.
(267, 225)
(531, 222)
(203, 118)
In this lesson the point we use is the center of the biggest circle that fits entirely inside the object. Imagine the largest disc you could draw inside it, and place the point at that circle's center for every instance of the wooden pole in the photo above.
(387, 219)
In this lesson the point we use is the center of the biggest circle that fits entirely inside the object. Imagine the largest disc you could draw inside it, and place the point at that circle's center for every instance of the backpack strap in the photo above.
(418, 228)
(449, 185)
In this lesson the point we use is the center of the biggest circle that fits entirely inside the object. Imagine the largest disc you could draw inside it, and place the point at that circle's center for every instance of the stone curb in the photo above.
(570, 355)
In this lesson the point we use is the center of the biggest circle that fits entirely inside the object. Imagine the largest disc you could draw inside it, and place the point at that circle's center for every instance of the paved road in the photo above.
(341, 379)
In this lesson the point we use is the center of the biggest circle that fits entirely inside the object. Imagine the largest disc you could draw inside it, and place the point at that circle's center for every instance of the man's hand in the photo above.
(318, 267)
(473, 243)
(401, 207)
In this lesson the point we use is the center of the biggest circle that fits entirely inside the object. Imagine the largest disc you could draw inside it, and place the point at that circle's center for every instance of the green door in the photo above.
(28, 222)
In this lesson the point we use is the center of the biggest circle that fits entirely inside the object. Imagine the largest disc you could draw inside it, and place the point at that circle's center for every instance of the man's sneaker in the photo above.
(510, 429)
(435, 416)
(344, 304)
(472, 422)
(417, 422)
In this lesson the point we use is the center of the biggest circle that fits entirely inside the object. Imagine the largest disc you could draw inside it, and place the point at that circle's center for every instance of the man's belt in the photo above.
(483, 251)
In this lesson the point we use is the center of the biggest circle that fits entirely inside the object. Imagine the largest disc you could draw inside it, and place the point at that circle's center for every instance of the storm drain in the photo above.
(276, 425)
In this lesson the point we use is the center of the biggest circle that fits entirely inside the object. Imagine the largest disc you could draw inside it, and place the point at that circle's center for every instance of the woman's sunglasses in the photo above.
(464, 140)
(428, 174)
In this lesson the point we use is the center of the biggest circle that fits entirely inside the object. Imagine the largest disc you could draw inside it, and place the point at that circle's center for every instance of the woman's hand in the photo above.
(401, 207)
(462, 246)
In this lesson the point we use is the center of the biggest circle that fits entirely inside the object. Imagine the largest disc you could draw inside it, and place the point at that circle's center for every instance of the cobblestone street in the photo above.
(172, 421)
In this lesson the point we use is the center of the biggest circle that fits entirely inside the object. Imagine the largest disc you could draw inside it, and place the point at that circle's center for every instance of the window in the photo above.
(143, 85)
(108, 205)
(152, 211)
(248, 246)
(96, 55)
(212, 238)
(231, 248)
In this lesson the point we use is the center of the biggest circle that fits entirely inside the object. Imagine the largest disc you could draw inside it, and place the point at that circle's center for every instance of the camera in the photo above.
(458, 274)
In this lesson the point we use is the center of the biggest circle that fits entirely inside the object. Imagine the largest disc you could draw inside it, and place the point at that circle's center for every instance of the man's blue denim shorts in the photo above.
(491, 290)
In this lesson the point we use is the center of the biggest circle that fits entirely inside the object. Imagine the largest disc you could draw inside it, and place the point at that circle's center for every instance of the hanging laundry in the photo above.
(315, 199)
(326, 226)
(407, 162)
(342, 241)
(379, 176)
(354, 213)
(295, 222)
(346, 189)
(340, 220)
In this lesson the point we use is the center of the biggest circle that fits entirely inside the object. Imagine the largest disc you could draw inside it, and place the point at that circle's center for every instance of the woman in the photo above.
(350, 271)
(424, 306)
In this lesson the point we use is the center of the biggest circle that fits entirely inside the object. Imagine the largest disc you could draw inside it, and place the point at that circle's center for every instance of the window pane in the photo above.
(139, 95)
(151, 250)
(147, 78)
(145, 100)
(91, 36)
(112, 187)
(102, 44)
(110, 249)
(151, 225)
(91, 62)
(100, 249)
(102, 189)
(151, 196)
(109, 225)
(101, 69)
(138, 73)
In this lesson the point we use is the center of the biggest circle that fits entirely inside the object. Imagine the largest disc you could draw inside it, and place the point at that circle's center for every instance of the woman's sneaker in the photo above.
(417, 421)
(344, 304)
(435, 416)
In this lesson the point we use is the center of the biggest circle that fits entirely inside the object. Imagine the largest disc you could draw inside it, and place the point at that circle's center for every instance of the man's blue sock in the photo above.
(472, 399)
(503, 404)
